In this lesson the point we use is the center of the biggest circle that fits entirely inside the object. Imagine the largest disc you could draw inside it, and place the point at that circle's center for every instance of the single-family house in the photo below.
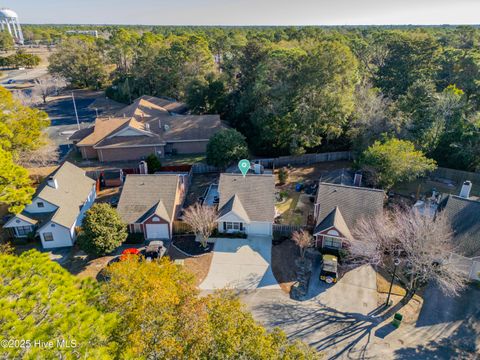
(150, 125)
(338, 208)
(57, 207)
(246, 204)
(150, 203)
(463, 213)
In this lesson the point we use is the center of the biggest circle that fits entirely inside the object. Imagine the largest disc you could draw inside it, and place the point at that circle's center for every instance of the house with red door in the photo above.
(149, 204)
(337, 210)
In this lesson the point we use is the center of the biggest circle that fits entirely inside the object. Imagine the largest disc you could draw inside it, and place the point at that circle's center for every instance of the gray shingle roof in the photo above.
(335, 219)
(255, 194)
(72, 192)
(142, 194)
(353, 202)
(464, 215)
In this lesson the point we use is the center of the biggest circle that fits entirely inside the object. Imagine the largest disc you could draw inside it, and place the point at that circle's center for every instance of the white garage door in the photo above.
(157, 231)
(259, 228)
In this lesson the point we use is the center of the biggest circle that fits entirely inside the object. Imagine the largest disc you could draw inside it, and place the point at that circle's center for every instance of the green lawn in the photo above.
(187, 159)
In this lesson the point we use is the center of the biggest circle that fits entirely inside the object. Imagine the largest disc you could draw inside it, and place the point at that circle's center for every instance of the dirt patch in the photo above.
(188, 245)
(383, 284)
(37, 174)
(198, 186)
(283, 264)
(107, 195)
(198, 266)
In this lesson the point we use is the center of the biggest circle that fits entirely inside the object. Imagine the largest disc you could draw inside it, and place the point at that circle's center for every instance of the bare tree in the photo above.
(27, 99)
(45, 86)
(202, 219)
(423, 245)
(46, 155)
(303, 240)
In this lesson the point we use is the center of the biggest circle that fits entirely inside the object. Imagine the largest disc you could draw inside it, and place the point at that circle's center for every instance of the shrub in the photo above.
(282, 176)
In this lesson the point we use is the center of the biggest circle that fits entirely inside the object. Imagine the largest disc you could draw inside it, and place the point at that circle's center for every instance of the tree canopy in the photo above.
(39, 300)
(102, 230)
(392, 161)
(225, 147)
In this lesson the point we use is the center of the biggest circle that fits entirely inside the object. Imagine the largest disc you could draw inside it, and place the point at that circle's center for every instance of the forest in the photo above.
(291, 90)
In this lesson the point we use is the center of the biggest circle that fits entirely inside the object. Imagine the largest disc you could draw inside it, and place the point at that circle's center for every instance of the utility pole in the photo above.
(76, 113)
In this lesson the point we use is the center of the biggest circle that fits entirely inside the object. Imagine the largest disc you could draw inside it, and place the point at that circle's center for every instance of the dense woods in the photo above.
(291, 90)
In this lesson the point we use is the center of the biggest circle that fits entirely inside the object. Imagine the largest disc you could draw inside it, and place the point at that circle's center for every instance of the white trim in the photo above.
(127, 128)
(235, 214)
(7, 224)
(182, 141)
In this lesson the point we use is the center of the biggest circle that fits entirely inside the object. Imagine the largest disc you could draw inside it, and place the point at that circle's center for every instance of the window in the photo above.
(48, 236)
(331, 242)
(233, 226)
(137, 228)
(23, 230)
(40, 204)
(155, 219)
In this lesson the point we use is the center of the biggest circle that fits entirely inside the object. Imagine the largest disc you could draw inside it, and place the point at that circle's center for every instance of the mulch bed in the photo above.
(187, 244)
(283, 264)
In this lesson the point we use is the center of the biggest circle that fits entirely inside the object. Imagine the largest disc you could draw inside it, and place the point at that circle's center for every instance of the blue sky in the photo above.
(247, 12)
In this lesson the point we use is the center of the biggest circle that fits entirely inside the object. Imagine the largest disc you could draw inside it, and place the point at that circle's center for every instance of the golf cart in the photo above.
(329, 272)
(154, 250)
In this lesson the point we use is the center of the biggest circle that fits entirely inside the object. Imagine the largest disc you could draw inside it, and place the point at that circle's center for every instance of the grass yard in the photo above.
(198, 266)
(187, 159)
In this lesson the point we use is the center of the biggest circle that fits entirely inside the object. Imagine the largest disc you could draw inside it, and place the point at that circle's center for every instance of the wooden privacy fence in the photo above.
(457, 176)
(306, 159)
(180, 227)
(287, 230)
(469, 266)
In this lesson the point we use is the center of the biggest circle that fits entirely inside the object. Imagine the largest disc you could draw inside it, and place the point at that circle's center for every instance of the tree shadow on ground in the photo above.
(335, 327)
(464, 343)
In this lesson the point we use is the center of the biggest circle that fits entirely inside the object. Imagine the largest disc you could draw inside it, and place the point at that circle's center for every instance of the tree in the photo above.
(225, 147)
(47, 155)
(303, 240)
(102, 230)
(162, 316)
(21, 128)
(39, 300)
(153, 163)
(202, 219)
(81, 62)
(282, 175)
(422, 243)
(45, 86)
(15, 185)
(6, 41)
(392, 161)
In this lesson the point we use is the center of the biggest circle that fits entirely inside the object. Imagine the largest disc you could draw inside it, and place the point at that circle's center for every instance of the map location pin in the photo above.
(244, 166)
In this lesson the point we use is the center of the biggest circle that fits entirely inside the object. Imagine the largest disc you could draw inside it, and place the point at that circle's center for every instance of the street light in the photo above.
(396, 262)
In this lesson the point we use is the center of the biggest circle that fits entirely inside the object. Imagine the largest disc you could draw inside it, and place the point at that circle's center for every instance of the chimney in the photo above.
(466, 188)
(52, 182)
(357, 180)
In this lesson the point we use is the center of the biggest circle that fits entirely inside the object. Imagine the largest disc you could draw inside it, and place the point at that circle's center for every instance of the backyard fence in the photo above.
(457, 176)
(200, 168)
(287, 230)
(306, 159)
(180, 227)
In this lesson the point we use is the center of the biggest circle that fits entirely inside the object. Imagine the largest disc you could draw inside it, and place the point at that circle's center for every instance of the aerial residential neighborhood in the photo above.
(253, 181)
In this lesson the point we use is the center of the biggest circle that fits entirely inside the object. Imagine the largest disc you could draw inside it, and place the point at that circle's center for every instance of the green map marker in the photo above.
(244, 166)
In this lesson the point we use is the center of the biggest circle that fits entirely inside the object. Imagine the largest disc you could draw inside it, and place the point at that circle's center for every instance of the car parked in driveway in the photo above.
(329, 272)
(154, 250)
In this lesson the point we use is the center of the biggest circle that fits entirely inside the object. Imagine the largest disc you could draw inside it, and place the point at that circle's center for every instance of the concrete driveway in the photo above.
(242, 264)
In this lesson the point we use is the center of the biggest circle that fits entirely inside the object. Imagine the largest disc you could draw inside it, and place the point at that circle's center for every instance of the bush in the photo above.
(102, 230)
(234, 235)
(282, 176)
(135, 238)
(153, 163)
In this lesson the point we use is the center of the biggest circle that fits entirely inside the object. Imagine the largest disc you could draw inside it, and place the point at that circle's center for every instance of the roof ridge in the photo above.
(352, 187)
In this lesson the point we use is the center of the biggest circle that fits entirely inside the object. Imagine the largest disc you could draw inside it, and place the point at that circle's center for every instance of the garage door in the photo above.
(259, 228)
(157, 231)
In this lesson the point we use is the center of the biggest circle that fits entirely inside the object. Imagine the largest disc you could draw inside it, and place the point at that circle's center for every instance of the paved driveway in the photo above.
(243, 264)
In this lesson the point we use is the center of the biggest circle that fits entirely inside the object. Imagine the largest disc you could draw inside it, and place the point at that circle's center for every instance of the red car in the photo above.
(129, 252)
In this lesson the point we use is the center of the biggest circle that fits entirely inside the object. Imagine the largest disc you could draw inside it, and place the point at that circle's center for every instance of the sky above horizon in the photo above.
(246, 12)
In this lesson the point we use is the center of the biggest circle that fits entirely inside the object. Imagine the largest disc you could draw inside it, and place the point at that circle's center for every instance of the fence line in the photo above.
(180, 227)
(200, 168)
(306, 159)
(469, 266)
(459, 176)
(287, 229)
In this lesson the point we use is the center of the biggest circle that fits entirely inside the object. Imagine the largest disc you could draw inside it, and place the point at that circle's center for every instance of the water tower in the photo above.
(9, 22)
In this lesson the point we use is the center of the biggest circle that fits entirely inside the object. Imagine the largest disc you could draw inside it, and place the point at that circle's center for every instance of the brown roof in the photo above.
(334, 219)
(148, 194)
(192, 127)
(130, 141)
(255, 194)
(103, 128)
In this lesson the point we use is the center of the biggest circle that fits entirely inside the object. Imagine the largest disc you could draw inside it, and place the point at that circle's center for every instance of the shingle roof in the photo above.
(157, 113)
(464, 215)
(335, 219)
(236, 206)
(144, 194)
(353, 202)
(255, 193)
(70, 195)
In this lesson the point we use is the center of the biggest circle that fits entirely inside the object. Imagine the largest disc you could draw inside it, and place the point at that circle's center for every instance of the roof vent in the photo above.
(466, 189)
(52, 182)
(166, 127)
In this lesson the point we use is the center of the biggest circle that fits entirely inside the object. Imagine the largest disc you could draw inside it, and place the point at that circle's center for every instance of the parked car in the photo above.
(154, 250)
(129, 252)
(329, 272)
